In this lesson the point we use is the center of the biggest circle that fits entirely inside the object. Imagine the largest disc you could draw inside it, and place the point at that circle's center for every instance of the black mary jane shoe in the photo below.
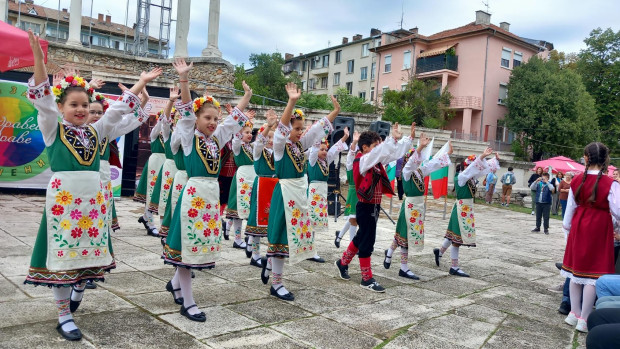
(286, 297)
(316, 259)
(193, 274)
(149, 230)
(241, 247)
(458, 272)
(337, 239)
(406, 274)
(386, 264)
(200, 317)
(226, 236)
(437, 256)
(163, 241)
(91, 285)
(264, 268)
(169, 288)
(74, 305)
(255, 263)
(73, 335)
(247, 244)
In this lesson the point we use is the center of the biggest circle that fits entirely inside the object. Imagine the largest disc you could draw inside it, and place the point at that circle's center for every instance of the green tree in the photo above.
(313, 101)
(550, 109)
(599, 66)
(421, 102)
(564, 60)
(266, 78)
(353, 104)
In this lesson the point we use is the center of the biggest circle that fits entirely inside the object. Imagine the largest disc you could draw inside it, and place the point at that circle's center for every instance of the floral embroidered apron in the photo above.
(414, 211)
(245, 179)
(465, 214)
(298, 229)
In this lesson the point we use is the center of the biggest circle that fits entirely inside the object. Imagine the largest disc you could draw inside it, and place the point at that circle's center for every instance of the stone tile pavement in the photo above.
(504, 304)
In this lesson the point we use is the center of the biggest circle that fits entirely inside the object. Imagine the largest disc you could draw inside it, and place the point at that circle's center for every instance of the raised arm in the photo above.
(184, 130)
(339, 147)
(293, 96)
(246, 97)
(235, 121)
(478, 168)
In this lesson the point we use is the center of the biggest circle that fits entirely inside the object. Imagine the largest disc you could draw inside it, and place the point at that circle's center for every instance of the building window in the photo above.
(407, 60)
(388, 64)
(304, 66)
(506, 57)
(350, 66)
(117, 45)
(52, 32)
(313, 62)
(517, 59)
(336, 79)
(362, 95)
(303, 85)
(503, 93)
(373, 68)
(103, 42)
(372, 93)
(365, 51)
(350, 88)
(325, 61)
(385, 89)
(36, 28)
(338, 56)
(377, 42)
(311, 84)
(403, 87)
(364, 73)
(324, 82)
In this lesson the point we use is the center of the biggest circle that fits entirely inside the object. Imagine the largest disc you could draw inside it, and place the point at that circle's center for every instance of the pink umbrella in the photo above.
(560, 163)
(15, 49)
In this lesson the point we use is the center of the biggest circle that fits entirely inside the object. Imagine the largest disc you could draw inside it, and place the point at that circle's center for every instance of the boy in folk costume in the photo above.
(461, 228)
(593, 200)
(72, 244)
(410, 226)
(371, 182)
(165, 177)
(262, 189)
(225, 179)
(289, 231)
(319, 160)
(349, 210)
(150, 172)
(241, 186)
(194, 239)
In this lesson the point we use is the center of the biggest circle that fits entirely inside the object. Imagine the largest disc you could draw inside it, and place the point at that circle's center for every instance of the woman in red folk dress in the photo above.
(592, 200)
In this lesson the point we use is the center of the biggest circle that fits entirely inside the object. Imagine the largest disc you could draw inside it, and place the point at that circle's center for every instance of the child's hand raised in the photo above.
(174, 93)
(356, 137)
(488, 151)
(35, 46)
(182, 67)
(272, 117)
(412, 130)
(396, 134)
(150, 76)
(96, 83)
(450, 150)
(228, 108)
(251, 114)
(335, 103)
(293, 92)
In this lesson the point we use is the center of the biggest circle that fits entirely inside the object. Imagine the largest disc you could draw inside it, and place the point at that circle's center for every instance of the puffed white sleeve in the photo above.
(318, 131)
(129, 123)
(614, 200)
(313, 155)
(279, 140)
(232, 124)
(236, 143)
(128, 103)
(155, 131)
(400, 149)
(184, 130)
(412, 164)
(477, 169)
(351, 158)
(571, 205)
(378, 154)
(165, 127)
(259, 145)
(435, 164)
(43, 99)
(336, 149)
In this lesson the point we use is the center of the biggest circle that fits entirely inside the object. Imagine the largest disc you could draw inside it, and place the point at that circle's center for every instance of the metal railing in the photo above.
(434, 63)
(464, 136)
(471, 102)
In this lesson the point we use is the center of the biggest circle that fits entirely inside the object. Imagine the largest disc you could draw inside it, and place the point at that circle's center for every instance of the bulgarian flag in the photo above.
(391, 173)
(425, 156)
(439, 178)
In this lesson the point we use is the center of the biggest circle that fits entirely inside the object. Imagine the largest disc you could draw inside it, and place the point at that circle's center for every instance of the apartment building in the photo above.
(53, 25)
(350, 65)
(473, 62)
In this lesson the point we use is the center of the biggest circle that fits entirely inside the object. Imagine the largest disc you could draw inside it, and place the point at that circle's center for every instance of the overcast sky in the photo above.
(301, 26)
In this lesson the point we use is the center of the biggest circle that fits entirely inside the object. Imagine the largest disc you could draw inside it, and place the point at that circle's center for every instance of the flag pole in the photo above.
(445, 205)
(425, 198)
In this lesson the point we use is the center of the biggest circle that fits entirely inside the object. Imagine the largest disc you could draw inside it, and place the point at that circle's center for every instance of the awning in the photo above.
(15, 50)
(435, 52)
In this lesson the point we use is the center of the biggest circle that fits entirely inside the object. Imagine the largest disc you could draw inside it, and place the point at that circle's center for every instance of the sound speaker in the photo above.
(381, 127)
(333, 189)
(340, 123)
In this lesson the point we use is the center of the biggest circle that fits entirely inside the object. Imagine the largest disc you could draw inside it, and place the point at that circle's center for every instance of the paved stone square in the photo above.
(504, 304)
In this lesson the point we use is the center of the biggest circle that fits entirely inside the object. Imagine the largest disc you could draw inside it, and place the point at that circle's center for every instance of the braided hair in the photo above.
(596, 154)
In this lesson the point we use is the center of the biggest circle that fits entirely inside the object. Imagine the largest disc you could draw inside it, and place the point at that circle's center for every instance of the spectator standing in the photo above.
(491, 181)
(508, 180)
(542, 189)
(533, 178)
(563, 189)
(555, 196)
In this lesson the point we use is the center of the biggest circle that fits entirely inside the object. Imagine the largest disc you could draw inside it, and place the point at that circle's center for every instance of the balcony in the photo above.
(466, 102)
(320, 71)
(437, 63)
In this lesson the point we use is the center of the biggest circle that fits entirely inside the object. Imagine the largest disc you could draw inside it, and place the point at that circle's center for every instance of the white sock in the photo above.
(185, 281)
(255, 240)
(176, 284)
(77, 296)
(344, 229)
(277, 265)
(444, 246)
(236, 226)
(352, 232)
(269, 267)
(61, 296)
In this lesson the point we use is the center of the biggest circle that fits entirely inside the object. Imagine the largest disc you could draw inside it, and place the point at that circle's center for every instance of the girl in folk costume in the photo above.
(72, 243)
(194, 239)
(225, 179)
(593, 199)
(349, 211)
(150, 172)
(262, 189)
(163, 185)
(289, 231)
(410, 227)
(371, 182)
(461, 228)
(241, 186)
(319, 160)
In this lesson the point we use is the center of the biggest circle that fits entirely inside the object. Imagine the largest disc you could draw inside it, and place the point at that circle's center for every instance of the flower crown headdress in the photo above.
(470, 159)
(248, 124)
(200, 101)
(325, 141)
(298, 114)
(98, 97)
(72, 81)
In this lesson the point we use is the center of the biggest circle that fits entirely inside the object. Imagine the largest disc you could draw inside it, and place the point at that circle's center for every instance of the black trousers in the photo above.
(604, 329)
(225, 183)
(399, 187)
(364, 240)
(542, 211)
